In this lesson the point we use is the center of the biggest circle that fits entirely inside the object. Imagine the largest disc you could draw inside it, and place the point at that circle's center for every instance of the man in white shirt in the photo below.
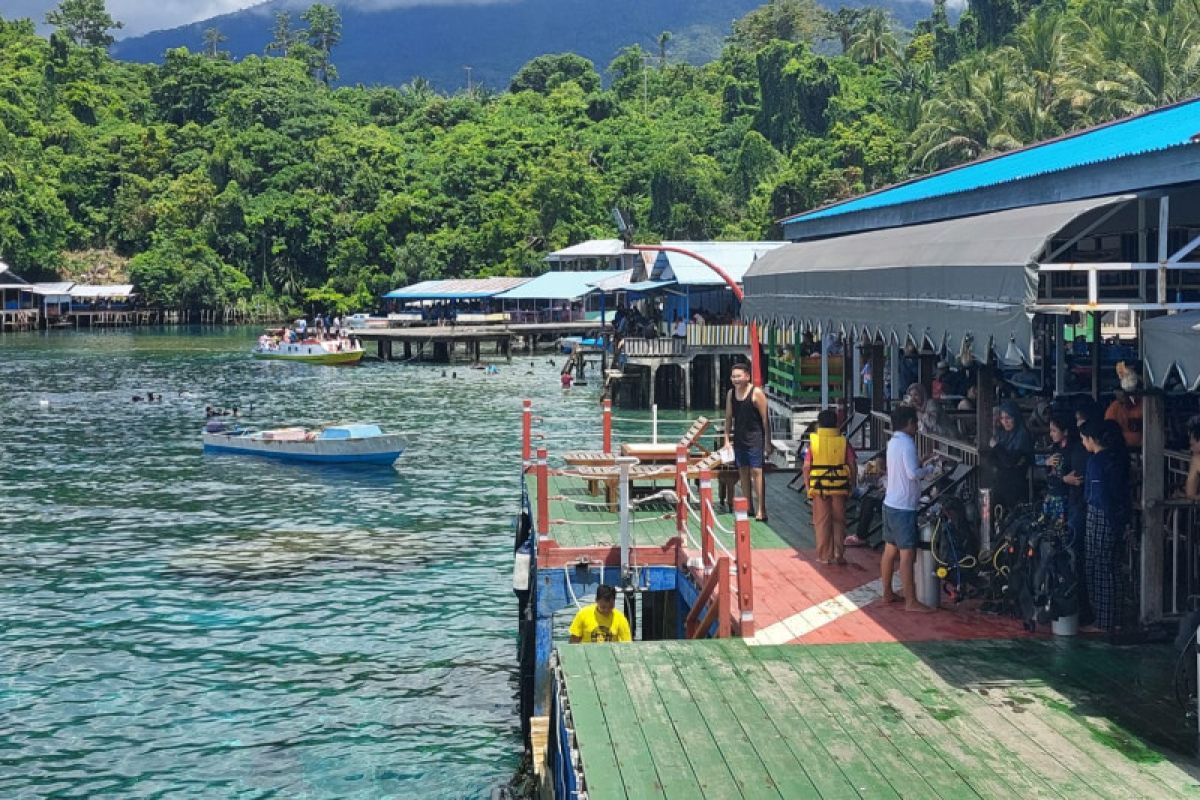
(900, 503)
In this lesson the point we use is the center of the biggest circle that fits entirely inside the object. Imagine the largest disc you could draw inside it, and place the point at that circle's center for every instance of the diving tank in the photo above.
(929, 586)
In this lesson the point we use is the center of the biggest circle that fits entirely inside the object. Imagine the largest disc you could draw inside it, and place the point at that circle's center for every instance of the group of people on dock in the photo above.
(1088, 455)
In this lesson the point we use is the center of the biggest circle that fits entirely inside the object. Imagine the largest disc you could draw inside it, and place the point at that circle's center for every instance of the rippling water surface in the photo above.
(181, 625)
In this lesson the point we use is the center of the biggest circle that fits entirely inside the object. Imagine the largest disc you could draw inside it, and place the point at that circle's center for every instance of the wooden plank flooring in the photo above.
(1031, 718)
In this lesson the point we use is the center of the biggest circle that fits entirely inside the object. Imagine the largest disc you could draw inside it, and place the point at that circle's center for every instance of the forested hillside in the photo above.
(225, 180)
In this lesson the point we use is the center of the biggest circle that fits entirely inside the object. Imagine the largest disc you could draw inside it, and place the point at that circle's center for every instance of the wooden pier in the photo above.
(442, 340)
(821, 690)
(1003, 719)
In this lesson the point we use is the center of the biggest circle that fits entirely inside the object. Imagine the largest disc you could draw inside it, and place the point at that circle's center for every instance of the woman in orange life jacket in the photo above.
(829, 473)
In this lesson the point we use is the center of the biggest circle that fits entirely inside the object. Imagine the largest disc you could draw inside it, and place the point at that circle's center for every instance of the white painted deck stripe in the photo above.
(817, 616)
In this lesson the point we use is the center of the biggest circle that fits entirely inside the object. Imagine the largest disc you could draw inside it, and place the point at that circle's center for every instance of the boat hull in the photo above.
(351, 357)
(383, 449)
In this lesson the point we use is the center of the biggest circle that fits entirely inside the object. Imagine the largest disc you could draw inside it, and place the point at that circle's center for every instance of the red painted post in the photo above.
(526, 432)
(706, 520)
(543, 493)
(745, 574)
(681, 464)
(723, 625)
(607, 425)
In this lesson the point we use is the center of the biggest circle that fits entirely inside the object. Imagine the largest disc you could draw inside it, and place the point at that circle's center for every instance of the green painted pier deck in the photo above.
(996, 719)
(874, 703)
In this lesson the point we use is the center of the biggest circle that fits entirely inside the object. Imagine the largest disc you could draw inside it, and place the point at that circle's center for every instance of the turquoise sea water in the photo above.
(180, 625)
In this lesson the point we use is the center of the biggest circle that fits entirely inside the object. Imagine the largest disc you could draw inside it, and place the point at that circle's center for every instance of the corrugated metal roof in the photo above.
(92, 292)
(1161, 129)
(560, 285)
(592, 248)
(61, 288)
(733, 257)
(455, 289)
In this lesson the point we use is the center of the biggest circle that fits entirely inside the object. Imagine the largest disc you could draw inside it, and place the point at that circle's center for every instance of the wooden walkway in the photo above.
(840, 696)
(951, 720)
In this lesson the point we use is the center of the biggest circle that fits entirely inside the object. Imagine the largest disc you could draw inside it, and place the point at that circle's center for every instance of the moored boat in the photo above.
(312, 351)
(335, 444)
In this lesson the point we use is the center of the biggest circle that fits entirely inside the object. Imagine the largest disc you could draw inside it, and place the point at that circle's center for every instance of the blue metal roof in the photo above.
(559, 285)
(455, 289)
(1161, 129)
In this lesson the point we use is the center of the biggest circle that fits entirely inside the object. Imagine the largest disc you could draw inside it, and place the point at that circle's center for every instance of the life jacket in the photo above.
(829, 474)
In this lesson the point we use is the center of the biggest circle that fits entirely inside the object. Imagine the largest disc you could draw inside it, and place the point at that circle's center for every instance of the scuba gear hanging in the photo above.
(952, 546)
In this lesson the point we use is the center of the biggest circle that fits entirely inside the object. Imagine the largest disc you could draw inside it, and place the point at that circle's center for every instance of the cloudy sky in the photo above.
(142, 16)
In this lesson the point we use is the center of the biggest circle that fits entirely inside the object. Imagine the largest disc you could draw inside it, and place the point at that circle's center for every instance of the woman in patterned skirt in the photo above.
(1108, 509)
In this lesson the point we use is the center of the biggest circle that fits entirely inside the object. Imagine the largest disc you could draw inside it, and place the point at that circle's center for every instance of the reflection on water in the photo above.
(193, 626)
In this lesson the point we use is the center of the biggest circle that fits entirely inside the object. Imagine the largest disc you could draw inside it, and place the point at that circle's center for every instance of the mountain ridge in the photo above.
(439, 42)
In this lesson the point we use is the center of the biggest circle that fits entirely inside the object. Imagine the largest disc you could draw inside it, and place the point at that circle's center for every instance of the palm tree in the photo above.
(213, 39)
(967, 118)
(874, 39)
(1042, 46)
(663, 38)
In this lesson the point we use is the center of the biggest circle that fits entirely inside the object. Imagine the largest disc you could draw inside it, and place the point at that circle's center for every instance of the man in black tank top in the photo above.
(746, 421)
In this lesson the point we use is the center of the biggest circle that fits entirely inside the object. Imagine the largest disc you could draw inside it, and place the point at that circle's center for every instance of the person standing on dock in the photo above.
(600, 621)
(900, 504)
(829, 471)
(747, 421)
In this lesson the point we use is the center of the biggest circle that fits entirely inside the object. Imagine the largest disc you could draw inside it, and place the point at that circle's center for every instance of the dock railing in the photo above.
(718, 335)
(663, 347)
(711, 556)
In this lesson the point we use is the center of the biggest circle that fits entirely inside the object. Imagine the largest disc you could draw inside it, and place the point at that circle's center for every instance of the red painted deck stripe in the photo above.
(787, 582)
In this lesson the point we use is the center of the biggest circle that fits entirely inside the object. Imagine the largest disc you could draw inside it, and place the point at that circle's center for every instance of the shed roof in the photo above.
(733, 257)
(1161, 129)
(81, 291)
(560, 285)
(455, 289)
(59, 288)
(592, 248)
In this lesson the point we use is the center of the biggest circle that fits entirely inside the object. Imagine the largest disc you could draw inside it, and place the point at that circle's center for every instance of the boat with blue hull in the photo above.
(335, 444)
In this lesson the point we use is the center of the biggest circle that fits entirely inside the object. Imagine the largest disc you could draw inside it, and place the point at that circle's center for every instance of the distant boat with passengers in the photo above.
(290, 345)
(334, 444)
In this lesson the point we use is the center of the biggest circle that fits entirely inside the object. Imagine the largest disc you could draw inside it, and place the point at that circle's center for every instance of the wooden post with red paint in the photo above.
(607, 425)
(526, 432)
(543, 493)
(745, 587)
(723, 625)
(681, 465)
(706, 520)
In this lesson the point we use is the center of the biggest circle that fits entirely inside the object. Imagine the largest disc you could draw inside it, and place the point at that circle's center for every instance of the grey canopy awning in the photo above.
(1172, 343)
(969, 279)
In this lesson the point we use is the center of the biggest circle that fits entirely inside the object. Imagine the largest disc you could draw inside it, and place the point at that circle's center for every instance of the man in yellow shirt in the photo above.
(601, 622)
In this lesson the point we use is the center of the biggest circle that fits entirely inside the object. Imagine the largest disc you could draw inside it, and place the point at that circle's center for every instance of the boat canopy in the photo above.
(350, 432)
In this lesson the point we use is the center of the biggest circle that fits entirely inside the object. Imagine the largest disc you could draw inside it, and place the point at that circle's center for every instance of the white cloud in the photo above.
(138, 16)
(143, 16)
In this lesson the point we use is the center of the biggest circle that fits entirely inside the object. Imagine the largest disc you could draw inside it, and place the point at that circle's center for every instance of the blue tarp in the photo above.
(559, 286)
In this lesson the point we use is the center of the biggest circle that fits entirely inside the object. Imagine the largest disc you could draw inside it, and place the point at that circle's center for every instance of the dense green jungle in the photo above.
(212, 183)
